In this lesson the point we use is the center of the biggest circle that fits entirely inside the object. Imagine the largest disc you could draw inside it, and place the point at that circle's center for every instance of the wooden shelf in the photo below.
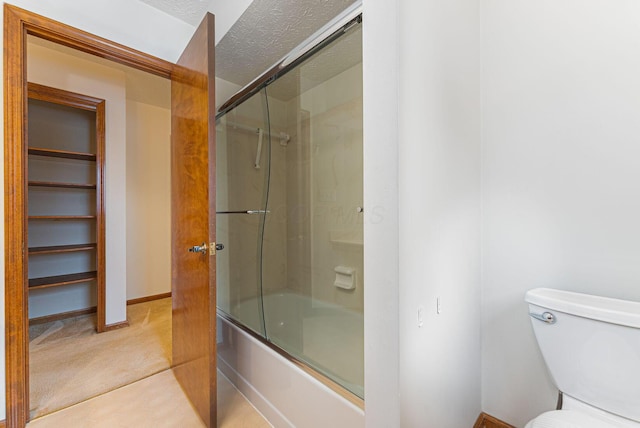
(61, 217)
(56, 281)
(61, 154)
(62, 249)
(61, 185)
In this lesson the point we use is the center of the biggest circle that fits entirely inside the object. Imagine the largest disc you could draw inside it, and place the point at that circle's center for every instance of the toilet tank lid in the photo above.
(615, 311)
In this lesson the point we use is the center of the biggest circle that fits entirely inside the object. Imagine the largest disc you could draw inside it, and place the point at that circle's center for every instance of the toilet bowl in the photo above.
(591, 346)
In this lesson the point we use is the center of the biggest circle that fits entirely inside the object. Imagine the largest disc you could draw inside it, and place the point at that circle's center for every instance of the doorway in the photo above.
(192, 316)
(68, 361)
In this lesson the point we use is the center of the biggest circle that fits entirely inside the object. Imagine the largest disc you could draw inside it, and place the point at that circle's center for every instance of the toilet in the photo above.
(591, 346)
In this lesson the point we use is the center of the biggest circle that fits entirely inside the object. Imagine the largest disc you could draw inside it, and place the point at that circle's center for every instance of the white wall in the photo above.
(422, 139)
(380, 191)
(148, 200)
(561, 175)
(63, 71)
(439, 206)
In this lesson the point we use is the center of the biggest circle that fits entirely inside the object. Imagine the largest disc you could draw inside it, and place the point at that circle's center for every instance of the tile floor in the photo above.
(157, 401)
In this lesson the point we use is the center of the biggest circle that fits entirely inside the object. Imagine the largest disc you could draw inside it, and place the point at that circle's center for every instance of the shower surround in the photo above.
(290, 216)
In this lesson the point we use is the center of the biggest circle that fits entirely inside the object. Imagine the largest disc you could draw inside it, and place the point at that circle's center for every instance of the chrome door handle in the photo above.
(547, 317)
(199, 248)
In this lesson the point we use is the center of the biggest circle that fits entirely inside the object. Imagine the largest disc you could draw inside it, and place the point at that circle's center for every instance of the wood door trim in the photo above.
(62, 34)
(92, 310)
(62, 316)
(62, 97)
(18, 23)
(116, 325)
(101, 236)
(148, 298)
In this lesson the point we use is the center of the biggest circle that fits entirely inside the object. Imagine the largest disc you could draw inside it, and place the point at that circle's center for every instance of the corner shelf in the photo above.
(55, 249)
(61, 154)
(58, 280)
(346, 238)
(61, 185)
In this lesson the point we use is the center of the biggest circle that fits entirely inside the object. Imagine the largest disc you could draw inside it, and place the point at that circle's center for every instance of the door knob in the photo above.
(199, 248)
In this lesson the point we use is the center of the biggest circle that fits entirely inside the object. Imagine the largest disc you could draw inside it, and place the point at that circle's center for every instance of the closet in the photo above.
(65, 225)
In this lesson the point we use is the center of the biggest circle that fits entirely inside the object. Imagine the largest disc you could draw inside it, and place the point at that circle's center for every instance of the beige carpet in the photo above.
(154, 402)
(70, 362)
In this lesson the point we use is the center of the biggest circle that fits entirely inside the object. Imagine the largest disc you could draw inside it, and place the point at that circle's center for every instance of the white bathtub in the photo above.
(328, 336)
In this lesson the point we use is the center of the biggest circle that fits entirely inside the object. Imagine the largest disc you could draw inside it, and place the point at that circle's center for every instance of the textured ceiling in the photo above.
(267, 31)
(189, 11)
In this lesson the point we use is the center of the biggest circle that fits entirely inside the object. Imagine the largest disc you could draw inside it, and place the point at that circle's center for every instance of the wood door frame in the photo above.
(18, 23)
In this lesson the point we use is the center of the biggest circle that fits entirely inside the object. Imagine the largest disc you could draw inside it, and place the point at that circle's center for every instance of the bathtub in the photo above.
(285, 389)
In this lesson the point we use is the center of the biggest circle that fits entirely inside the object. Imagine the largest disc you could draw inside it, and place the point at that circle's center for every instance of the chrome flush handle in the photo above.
(547, 317)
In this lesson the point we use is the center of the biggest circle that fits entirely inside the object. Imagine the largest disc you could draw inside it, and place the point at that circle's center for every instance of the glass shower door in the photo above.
(290, 211)
(313, 280)
(242, 174)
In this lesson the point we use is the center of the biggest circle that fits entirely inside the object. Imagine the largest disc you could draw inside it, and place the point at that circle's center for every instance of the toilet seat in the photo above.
(568, 419)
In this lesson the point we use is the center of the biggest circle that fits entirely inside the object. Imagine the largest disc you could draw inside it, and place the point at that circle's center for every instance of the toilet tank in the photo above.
(591, 346)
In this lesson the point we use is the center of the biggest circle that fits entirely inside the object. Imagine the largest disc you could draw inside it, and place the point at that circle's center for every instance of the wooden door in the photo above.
(193, 221)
